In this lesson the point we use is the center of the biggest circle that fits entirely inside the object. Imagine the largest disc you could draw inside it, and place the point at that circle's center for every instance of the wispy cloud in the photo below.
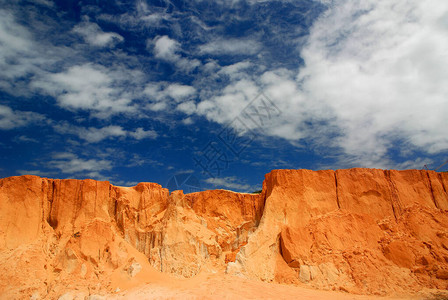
(25, 139)
(140, 134)
(374, 74)
(418, 163)
(95, 36)
(13, 37)
(91, 87)
(231, 47)
(164, 96)
(19, 55)
(33, 172)
(69, 74)
(361, 84)
(169, 50)
(11, 119)
(231, 182)
(140, 17)
(95, 135)
(72, 164)
(378, 69)
(138, 160)
(175, 91)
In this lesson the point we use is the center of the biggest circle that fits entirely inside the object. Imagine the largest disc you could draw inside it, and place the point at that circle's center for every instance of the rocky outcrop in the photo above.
(357, 230)
(89, 229)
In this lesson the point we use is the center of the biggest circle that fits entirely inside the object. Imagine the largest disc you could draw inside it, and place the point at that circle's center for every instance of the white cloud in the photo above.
(91, 134)
(70, 163)
(380, 68)
(10, 119)
(227, 105)
(142, 16)
(162, 90)
(33, 172)
(140, 134)
(47, 3)
(187, 121)
(19, 55)
(375, 73)
(235, 70)
(418, 163)
(138, 160)
(162, 94)
(179, 91)
(168, 49)
(25, 139)
(188, 107)
(13, 37)
(95, 135)
(158, 106)
(91, 87)
(231, 47)
(125, 183)
(95, 36)
(228, 182)
(25, 62)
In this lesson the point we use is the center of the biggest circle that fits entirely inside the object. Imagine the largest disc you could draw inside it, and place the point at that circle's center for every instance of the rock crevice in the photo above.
(336, 185)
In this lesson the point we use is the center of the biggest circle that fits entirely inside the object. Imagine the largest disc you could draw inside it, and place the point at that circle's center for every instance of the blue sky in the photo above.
(218, 93)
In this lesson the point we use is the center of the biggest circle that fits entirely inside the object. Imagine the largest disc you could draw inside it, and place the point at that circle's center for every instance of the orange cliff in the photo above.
(365, 231)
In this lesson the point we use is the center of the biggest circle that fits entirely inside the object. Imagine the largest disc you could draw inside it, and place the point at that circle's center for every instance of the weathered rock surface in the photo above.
(358, 230)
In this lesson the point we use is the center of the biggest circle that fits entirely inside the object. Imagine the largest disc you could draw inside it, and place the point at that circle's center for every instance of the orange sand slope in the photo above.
(232, 287)
(358, 231)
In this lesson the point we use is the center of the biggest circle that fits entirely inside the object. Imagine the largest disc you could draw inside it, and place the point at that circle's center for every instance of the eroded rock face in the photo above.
(358, 230)
(89, 229)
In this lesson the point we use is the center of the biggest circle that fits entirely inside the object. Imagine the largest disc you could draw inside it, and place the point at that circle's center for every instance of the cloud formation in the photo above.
(70, 163)
(91, 87)
(17, 58)
(168, 49)
(360, 83)
(374, 75)
(11, 119)
(379, 69)
(231, 47)
(95, 36)
(230, 182)
(95, 135)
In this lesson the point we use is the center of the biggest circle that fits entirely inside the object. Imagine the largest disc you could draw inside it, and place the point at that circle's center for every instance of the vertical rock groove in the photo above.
(44, 201)
(114, 202)
(395, 201)
(79, 199)
(53, 223)
(439, 176)
(96, 198)
(337, 192)
(431, 190)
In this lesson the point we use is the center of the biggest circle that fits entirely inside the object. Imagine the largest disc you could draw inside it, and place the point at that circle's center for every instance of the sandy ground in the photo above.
(220, 286)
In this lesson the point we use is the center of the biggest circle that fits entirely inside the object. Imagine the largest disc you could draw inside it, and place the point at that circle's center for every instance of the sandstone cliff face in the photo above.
(87, 228)
(357, 230)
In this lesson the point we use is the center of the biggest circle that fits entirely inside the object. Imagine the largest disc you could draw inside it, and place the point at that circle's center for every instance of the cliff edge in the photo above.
(363, 231)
